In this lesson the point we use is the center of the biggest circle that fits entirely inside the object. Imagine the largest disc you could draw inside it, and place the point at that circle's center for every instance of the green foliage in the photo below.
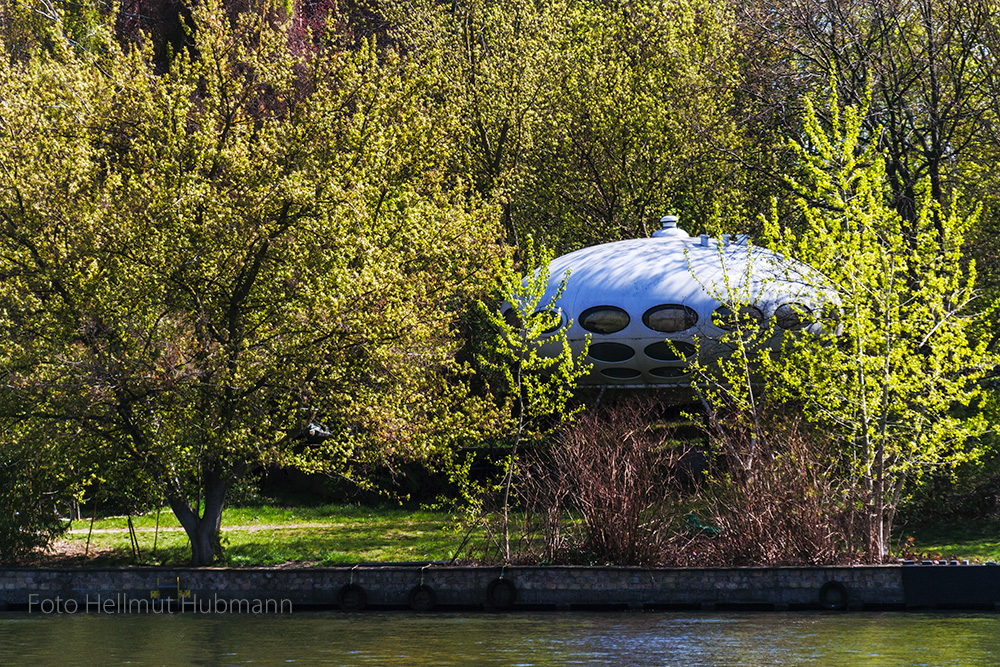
(28, 515)
(728, 383)
(52, 26)
(929, 71)
(584, 120)
(889, 368)
(530, 351)
(535, 375)
(204, 265)
(640, 123)
(890, 387)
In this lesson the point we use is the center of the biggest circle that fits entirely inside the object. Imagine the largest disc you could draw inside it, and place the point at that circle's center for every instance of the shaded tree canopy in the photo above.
(203, 266)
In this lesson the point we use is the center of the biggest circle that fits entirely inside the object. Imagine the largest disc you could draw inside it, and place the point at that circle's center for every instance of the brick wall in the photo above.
(391, 586)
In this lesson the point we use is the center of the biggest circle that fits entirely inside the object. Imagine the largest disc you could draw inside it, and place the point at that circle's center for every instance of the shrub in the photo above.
(775, 498)
(616, 470)
(28, 515)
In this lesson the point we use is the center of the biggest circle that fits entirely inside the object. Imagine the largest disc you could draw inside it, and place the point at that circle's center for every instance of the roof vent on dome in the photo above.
(669, 229)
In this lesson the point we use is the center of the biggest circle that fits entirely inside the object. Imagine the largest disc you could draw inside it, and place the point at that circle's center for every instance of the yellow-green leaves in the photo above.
(539, 382)
(528, 349)
(203, 265)
(580, 122)
(891, 385)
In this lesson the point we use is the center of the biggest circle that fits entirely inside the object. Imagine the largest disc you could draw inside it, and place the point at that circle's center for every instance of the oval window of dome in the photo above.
(611, 352)
(670, 318)
(604, 319)
(793, 316)
(747, 318)
(552, 321)
(670, 351)
(620, 373)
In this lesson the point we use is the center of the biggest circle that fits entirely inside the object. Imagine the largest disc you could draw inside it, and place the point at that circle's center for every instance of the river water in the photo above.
(521, 639)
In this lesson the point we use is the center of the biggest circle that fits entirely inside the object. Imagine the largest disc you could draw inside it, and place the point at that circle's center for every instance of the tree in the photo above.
(891, 387)
(499, 62)
(530, 356)
(247, 259)
(642, 124)
(583, 119)
(930, 67)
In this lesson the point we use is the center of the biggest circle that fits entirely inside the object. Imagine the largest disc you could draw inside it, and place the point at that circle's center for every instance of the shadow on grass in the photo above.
(964, 540)
(342, 545)
(399, 540)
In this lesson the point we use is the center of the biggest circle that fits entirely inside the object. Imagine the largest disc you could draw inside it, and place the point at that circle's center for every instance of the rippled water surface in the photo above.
(332, 638)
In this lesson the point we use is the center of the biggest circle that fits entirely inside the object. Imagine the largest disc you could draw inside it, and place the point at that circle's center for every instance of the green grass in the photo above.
(347, 534)
(269, 535)
(963, 540)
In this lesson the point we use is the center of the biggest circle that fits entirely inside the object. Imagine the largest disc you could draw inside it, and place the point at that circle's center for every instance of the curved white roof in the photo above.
(670, 269)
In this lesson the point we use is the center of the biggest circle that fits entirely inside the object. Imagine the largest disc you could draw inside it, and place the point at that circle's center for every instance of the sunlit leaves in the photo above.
(580, 121)
(891, 385)
(203, 264)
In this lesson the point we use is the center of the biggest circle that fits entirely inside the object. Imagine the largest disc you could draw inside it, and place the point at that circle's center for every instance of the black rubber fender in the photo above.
(501, 593)
(422, 598)
(833, 595)
(352, 597)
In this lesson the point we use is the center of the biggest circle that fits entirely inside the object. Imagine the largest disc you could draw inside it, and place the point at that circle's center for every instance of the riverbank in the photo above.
(429, 586)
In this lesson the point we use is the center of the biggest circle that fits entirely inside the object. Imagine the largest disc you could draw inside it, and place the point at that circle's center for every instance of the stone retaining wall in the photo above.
(392, 586)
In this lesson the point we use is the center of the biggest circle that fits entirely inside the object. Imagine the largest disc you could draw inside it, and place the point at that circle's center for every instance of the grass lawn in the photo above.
(348, 534)
(964, 540)
(268, 535)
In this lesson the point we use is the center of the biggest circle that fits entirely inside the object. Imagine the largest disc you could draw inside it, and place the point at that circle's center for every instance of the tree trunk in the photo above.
(203, 531)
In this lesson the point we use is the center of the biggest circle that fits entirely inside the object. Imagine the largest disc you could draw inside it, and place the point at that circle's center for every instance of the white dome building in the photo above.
(632, 297)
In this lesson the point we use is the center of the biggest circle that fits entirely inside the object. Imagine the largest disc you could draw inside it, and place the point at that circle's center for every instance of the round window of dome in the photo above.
(670, 351)
(831, 317)
(604, 319)
(550, 317)
(793, 316)
(747, 318)
(611, 352)
(668, 372)
(670, 318)
(620, 373)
